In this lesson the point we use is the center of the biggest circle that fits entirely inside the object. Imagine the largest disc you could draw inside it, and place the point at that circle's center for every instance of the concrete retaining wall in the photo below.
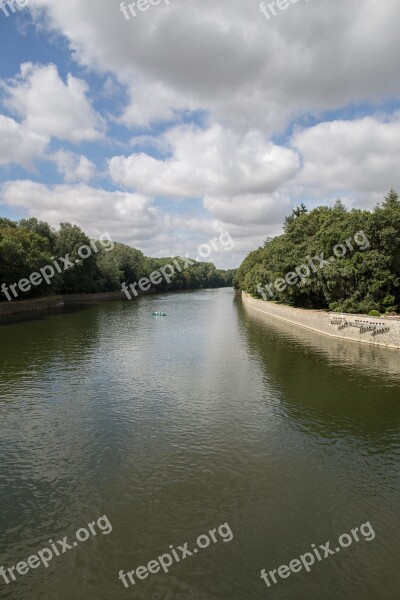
(22, 306)
(320, 321)
(103, 297)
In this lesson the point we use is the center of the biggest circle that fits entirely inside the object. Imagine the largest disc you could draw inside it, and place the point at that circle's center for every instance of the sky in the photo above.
(170, 123)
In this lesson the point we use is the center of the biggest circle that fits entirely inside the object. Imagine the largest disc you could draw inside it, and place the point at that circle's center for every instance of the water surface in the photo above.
(173, 426)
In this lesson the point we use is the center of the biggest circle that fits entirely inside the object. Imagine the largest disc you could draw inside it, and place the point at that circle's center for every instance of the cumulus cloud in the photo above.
(73, 167)
(95, 210)
(151, 102)
(47, 107)
(359, 156)
(19, 145)
(237, 175)
(50, 107)
(249, 209)
(224, 57)
(240, 80)
(128, 217)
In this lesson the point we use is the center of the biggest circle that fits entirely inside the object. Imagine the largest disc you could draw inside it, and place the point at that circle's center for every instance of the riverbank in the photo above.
(35, 304)
(321, 322)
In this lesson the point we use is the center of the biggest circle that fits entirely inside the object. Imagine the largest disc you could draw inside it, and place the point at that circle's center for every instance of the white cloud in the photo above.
(224, 57)
(73, 167)
(50, 107)
(360, 157)
(128, 217)
(236, 174)
(248, 210)
(47, 107)
(247, 77)
(151, 102)
(124, 215)
(19, 145)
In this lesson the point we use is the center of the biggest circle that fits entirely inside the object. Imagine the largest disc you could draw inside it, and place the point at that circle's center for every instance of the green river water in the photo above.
(172, 426)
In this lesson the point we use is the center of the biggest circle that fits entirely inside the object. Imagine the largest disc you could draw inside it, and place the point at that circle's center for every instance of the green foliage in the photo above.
(374, 313)
(41, 228)
(22, 252)
(366, 278)
(82, 277)
(30, 245)
(296, 213)
(123, 263)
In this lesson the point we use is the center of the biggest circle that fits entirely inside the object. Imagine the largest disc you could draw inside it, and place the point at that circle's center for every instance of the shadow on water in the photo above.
(33, 344)
(330, 385)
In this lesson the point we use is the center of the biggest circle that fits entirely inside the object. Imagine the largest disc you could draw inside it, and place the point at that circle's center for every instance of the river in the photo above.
(173, 426)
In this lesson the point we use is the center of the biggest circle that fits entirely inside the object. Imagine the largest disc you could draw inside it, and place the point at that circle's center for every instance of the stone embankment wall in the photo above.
(103, 297)
(379, 331)
(21, 306)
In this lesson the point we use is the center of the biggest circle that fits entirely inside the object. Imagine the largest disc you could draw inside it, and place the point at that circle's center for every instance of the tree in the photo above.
(296, 213)
(41, 228)
(28, 246)
(392, 200)
(22, 252)
(339, 205)
(83, 274)
(365, 278)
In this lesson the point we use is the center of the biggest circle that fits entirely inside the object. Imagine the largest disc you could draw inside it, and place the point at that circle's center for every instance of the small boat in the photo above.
(159, 314)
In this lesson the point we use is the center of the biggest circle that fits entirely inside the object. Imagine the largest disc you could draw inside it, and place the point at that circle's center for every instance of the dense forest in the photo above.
(29, 245)
(366, 278)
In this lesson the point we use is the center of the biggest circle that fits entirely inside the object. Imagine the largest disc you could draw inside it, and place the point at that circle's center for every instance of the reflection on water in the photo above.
(345, 375)
(171, 426)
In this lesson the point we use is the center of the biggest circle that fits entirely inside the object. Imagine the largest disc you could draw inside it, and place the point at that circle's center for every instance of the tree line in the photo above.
(28, 245)
(361, 281)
